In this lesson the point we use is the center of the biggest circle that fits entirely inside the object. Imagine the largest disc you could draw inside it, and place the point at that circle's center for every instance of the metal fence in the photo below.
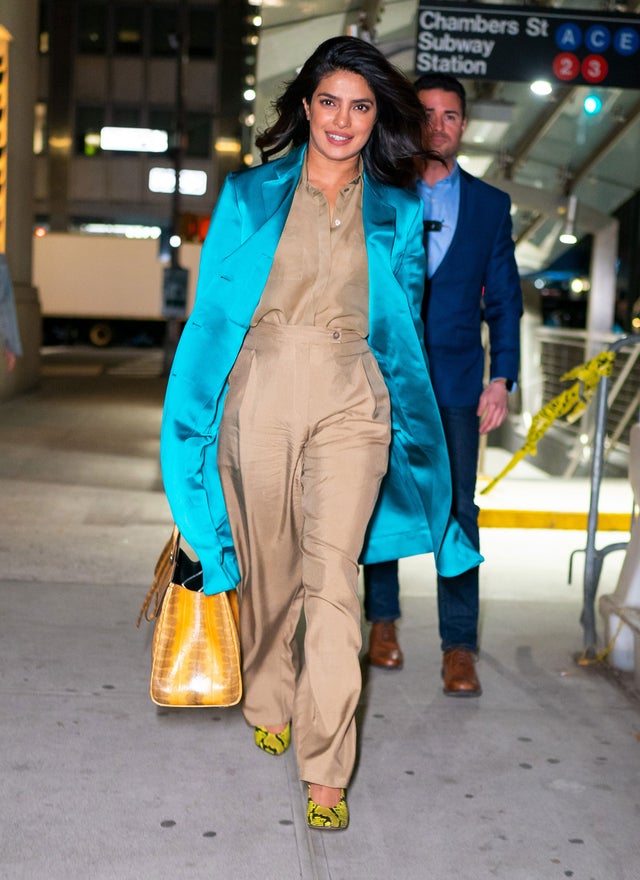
(560, 351)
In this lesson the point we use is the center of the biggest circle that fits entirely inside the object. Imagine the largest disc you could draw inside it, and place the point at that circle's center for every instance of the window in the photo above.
(202, 33)
(164, 27)
(92, 28)
(163, 120)
(128, 30)
(40, 129)
(89, 121)
(198, 127)
(43, 27)
(126, 117)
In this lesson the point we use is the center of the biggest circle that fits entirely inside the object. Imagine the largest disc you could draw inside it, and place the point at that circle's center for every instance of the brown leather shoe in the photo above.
(384, 650)
(459, 673)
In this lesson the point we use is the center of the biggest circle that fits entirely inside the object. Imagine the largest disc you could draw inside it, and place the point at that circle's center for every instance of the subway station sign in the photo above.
(525, 43)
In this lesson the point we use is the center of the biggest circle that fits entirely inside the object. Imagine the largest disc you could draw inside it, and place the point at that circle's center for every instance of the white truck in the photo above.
(104, 289)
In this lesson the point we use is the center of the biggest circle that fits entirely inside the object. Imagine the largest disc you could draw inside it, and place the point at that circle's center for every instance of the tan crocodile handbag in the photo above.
(196, 649)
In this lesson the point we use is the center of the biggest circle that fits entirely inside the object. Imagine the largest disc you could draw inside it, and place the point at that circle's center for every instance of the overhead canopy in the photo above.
(536, 148)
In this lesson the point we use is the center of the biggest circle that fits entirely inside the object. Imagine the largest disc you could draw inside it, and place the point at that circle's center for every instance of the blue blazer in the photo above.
(413, 511)
(480, 258)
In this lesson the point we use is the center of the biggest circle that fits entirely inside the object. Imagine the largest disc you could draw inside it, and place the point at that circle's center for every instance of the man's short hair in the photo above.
(447, 83)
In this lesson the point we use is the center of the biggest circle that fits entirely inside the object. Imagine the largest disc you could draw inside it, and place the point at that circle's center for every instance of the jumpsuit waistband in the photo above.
(264, 334)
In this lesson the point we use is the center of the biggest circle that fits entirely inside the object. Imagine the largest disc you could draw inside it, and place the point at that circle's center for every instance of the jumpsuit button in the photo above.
(336, 334)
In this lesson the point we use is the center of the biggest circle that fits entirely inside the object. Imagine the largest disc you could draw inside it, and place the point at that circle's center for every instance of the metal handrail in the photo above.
(594, 557)
(612, 396)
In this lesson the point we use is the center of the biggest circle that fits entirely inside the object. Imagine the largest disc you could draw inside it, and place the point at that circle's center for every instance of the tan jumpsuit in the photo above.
(303, 448)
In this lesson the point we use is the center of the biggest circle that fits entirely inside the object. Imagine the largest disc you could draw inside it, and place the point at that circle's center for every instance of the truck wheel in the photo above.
(101, 334)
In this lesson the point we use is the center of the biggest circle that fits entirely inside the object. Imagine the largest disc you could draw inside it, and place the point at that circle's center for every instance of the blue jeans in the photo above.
(458, 597)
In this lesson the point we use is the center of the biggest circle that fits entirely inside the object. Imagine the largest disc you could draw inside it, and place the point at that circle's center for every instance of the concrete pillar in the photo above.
(19, 22)
(601, 308)
(602, 296)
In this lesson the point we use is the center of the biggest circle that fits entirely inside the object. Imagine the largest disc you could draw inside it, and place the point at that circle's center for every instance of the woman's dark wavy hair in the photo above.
(395, 143)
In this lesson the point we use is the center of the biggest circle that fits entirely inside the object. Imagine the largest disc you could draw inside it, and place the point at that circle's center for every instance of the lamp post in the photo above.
(175, 277)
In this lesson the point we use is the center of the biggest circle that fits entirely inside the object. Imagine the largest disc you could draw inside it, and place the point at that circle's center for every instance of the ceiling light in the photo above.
(476, 164)
(541, 87)
(568, 234)
(484, 132)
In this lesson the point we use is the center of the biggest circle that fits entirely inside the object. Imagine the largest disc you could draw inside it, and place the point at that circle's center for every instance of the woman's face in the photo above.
(341, 114)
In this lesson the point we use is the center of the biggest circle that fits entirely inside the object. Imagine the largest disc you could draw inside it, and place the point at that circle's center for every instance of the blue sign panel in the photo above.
(525, 43)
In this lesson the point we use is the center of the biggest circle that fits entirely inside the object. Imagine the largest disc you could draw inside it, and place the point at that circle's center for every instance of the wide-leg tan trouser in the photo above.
(303, 448)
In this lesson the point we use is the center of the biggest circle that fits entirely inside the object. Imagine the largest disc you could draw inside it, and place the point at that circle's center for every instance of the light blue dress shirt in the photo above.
(441, 203)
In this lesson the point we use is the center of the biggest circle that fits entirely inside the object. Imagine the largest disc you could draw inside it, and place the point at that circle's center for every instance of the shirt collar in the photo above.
(450, 180)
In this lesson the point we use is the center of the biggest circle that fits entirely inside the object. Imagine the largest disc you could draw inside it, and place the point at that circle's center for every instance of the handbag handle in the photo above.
(162, 577)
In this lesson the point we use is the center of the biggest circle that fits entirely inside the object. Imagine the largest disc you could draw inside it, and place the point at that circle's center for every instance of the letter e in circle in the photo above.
(626, 41)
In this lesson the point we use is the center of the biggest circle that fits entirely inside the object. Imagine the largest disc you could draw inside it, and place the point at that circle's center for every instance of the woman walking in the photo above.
(303, 355)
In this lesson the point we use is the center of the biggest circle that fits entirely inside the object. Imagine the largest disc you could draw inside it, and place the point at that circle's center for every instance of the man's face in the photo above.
(445, 124)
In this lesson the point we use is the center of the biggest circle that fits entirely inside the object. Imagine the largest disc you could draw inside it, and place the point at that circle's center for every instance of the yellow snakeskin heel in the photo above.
(329, 818)
(272, 743)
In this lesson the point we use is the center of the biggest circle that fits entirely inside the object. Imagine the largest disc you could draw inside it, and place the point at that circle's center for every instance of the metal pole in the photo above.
(593, 562)
(172, 329)
(182, 57)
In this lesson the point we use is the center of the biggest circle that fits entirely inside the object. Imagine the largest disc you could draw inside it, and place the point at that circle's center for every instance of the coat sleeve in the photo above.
(503, 299)
(193, 408)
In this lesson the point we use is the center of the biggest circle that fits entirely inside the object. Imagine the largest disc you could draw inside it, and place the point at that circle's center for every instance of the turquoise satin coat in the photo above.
(413, 512)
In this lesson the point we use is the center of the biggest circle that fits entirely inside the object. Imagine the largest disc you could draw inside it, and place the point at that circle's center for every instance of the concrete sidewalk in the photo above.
(539, 778)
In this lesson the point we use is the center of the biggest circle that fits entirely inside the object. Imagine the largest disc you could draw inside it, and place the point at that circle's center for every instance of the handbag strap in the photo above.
(162, 577)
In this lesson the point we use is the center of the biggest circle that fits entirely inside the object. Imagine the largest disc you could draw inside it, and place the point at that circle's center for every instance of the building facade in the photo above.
(175, 66)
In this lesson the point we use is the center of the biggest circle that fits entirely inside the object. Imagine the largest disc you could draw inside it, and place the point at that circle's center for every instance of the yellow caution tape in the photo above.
(585, 659)
(570, 403)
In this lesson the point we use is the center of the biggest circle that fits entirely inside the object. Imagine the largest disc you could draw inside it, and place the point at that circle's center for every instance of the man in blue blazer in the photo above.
(472, 276)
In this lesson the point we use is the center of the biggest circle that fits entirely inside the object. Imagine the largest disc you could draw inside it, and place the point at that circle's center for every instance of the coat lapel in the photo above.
(265, 206)
(390, 311)
(379, 221)
(271, 200)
